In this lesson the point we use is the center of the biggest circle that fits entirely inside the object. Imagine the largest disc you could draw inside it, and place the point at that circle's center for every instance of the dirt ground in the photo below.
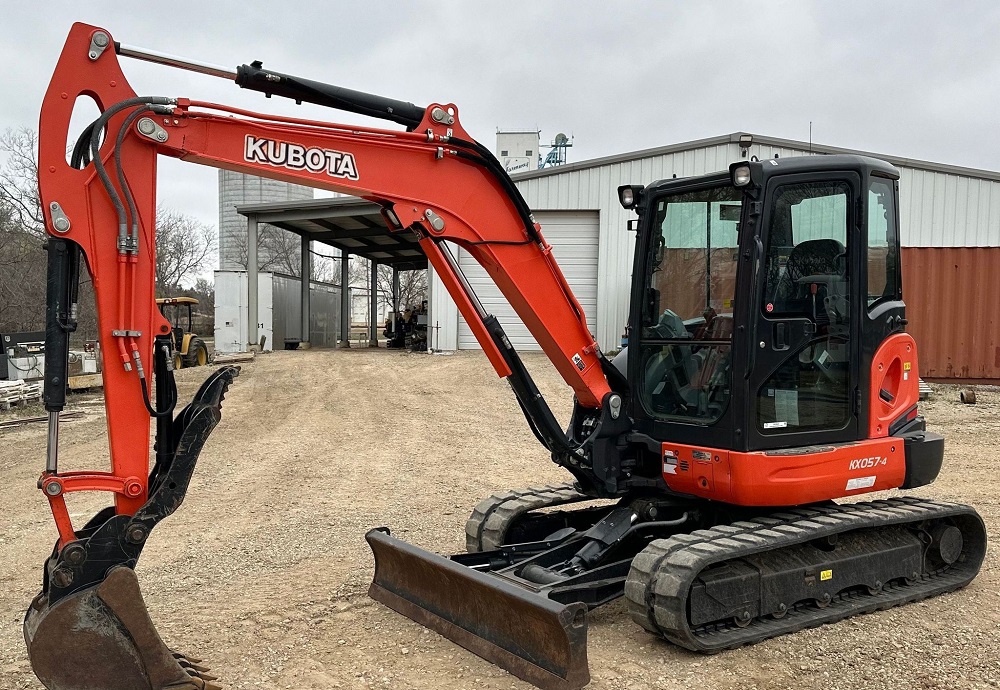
(263, 571)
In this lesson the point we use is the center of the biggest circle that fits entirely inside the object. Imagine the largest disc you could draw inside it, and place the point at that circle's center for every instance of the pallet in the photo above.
(925, 390)
(85, 381)
(233, 358)
(19, 393)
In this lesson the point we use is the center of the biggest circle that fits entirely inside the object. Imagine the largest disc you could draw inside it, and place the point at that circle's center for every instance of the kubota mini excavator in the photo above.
(768, 374)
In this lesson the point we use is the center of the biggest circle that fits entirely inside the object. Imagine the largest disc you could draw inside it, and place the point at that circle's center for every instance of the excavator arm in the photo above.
(432, 179)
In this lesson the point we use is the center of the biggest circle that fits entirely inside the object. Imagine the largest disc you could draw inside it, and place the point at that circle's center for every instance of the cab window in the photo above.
(687, 339)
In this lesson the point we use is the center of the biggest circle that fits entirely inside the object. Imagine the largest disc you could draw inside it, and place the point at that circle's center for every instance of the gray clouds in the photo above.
(904, 78)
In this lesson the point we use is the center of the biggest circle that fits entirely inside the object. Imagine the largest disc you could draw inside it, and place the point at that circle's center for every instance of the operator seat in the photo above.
(794, 296)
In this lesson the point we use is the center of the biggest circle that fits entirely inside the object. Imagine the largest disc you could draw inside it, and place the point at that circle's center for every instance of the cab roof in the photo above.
(793, 164)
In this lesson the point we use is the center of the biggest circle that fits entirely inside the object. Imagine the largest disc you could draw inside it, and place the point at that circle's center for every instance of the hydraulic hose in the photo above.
(95, 153)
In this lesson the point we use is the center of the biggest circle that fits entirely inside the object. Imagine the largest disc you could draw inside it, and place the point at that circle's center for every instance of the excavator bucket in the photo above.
(101, 638)
(536, 639)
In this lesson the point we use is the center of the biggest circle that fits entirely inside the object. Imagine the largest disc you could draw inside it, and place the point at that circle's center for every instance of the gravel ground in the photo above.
(263, 571)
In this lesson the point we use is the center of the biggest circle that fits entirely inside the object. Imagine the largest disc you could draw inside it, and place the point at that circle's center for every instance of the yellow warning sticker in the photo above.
(907, 366)
(727, 304)
(825, 575)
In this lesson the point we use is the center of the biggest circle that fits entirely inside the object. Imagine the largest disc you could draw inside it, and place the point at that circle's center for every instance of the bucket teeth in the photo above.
(190, 659)
(194, 684)
(201, 674)
(192, 666)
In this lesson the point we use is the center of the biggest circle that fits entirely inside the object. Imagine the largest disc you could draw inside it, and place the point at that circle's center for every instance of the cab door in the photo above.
(803, 376)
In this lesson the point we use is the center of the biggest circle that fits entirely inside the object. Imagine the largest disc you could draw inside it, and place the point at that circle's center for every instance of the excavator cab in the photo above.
(762, 295)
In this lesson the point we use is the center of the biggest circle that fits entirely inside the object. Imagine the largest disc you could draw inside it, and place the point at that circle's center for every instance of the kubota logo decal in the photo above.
(282, 154)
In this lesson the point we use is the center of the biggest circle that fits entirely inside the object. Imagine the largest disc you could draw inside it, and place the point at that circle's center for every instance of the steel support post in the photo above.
(345, 300)
(306, 274)
(373, 305)
(395, 290)
(252, 315)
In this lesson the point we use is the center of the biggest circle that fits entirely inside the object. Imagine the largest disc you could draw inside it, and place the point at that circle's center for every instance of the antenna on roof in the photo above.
(557, 155)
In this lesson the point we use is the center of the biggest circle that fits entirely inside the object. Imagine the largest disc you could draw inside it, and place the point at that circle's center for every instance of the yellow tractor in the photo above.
(188, 349)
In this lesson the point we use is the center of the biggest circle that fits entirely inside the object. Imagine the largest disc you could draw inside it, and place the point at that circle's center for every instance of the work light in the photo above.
(628, 195)
(741, 175)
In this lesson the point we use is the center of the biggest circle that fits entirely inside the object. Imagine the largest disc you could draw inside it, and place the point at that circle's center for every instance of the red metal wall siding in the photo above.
(952, 299)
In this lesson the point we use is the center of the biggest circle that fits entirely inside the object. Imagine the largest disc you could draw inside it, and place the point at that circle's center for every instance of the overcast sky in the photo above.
(916, 79)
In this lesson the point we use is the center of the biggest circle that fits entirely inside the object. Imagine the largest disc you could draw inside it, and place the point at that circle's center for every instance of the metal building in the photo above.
(950, 221)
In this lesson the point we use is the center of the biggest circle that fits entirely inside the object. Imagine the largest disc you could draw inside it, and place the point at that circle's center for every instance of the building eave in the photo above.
(734, 138)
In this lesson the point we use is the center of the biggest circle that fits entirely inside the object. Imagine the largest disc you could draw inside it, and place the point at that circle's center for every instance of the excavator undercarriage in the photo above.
(704, 585)
(770, 375)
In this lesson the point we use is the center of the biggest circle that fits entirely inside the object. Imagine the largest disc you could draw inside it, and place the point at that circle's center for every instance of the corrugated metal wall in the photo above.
(937, 209)
(324, 312)
(950, 295)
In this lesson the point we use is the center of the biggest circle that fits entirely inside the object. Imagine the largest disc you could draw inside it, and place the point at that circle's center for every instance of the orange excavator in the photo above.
(768, 374)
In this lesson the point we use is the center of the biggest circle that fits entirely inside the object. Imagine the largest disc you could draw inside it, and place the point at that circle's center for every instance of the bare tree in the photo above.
(277, 250)
(22, 274)
(183, 248)
(412, 286)
(359, 272)
(19, 178)
(203, 315)
(325, 268)
(22, 258)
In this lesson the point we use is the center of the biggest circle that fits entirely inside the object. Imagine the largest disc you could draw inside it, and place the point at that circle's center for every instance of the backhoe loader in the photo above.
(188, 349)
(768, 375)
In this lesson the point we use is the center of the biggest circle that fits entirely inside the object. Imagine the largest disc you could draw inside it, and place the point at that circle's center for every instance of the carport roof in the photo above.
(350, 224)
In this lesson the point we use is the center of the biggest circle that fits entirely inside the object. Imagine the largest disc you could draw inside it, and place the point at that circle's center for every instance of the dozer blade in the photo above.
(101, 638)
(534, 638)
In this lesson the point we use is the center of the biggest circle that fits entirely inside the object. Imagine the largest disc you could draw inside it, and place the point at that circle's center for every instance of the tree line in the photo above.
(185, 247)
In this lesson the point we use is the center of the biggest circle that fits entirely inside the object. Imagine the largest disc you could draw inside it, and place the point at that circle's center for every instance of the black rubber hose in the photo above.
(95, 150)
(122, 182)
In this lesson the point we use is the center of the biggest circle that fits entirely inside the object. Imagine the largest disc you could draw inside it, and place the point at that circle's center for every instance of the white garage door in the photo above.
(574, 238)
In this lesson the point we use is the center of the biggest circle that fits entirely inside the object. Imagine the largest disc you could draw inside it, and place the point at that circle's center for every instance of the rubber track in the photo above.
(486, 528)
(662, 575)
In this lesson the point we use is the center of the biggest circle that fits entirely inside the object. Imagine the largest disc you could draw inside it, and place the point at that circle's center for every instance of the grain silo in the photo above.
(237, 189)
